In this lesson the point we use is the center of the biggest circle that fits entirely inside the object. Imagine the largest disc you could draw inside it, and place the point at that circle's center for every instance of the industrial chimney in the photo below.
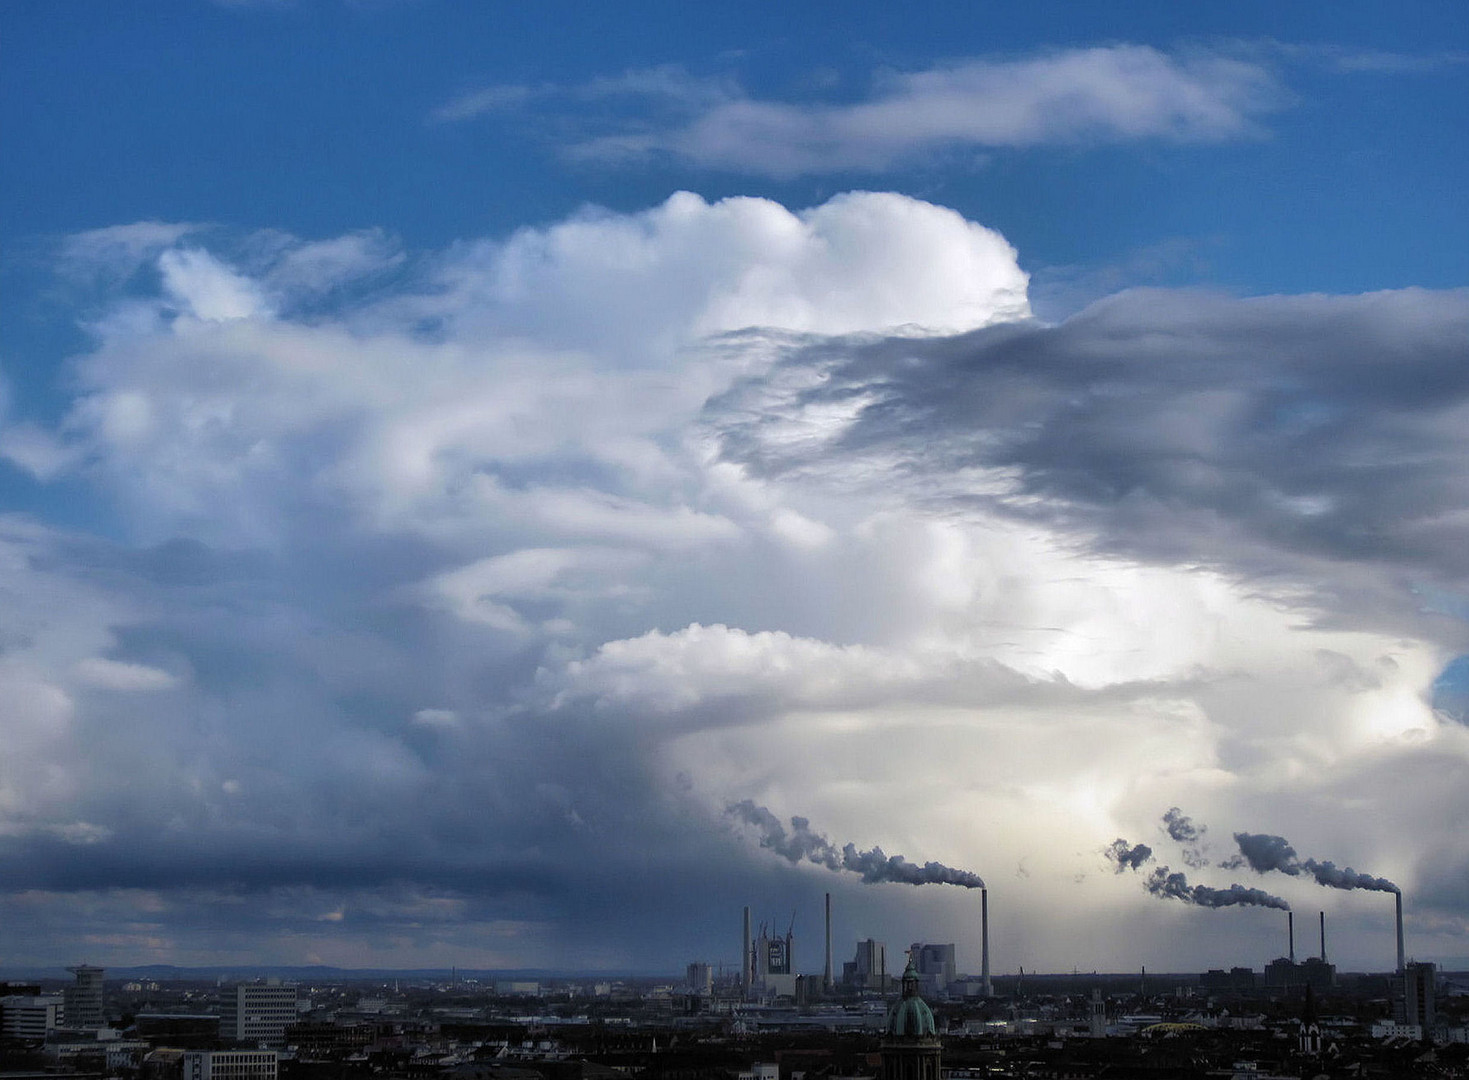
(984, 945)
(745, 955)
(827, 982)
(1290, 924)
(1402, 967)
(1323, 937)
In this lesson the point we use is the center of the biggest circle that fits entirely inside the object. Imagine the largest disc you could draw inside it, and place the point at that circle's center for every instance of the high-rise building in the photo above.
(83, 999)
(1097, 1017)
(29, 1017)
(230, 1065)
(259, 1013)
(1418, 1004)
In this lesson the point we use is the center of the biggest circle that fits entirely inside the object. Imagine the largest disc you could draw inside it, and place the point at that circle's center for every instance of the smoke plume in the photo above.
(1126, 856)
(874, 866)
(1168, 885)
(1188, 835)
(1264, 853)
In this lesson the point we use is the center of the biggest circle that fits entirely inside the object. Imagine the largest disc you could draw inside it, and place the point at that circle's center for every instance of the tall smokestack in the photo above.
(827, 983)
(1323, 937)
(1402, 967)
(745, 954)
(1290, 923)
(984, 943)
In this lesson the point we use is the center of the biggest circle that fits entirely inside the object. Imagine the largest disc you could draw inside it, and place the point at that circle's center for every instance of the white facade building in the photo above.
(230, 1065)
(259, 1013)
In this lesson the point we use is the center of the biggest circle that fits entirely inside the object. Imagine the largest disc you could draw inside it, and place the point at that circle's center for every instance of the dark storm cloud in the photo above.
(801, 843)
(1251, 435)
(1127, 856)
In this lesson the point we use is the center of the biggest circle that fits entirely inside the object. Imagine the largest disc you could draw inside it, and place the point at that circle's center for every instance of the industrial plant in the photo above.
(787, 1010)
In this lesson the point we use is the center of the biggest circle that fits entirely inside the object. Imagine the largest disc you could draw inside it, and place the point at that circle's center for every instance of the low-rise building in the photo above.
(231, 1065)
(30, 1017)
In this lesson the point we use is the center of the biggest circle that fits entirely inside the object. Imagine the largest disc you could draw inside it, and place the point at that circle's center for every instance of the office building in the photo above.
(259, 1013)
(82, 1001)
(29, 1017)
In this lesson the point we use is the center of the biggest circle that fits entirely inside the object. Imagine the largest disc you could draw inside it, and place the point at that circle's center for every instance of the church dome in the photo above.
(910, 1017)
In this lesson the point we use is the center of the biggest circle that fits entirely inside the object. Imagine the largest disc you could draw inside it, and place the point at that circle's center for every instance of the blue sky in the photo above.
(450, 453)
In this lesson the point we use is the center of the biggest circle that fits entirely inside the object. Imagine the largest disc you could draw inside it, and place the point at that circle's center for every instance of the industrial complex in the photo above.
(888, 1013)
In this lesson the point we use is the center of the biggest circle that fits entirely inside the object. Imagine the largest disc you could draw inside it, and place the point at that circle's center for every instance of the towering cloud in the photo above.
(501, 579)
(1264, 853)
(874, 866)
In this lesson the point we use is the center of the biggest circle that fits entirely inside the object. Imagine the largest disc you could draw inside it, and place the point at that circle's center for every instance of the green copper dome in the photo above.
(909, 1016)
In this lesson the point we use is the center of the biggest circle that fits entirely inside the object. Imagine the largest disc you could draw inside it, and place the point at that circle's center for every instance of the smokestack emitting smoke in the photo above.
(874, 866)
(826, 981)
(1172, 886)
(984, 944)
(1265, 853)
(1402, 966)
(1290, 935)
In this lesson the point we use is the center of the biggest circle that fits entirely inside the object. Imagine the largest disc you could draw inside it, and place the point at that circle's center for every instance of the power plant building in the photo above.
(935, 966)
(868, 970)
(699, 978)
(771, 964)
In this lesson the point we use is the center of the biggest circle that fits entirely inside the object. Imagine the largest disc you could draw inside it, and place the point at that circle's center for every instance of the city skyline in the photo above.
(510, 488)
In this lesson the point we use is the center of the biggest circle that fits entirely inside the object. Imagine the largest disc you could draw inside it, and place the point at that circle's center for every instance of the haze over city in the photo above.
(511, 486)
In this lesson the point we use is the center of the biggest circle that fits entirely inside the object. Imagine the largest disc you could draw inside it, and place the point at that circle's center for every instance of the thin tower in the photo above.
(745, 954)
(1402, 967)
(984, 943)
(826, 981)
